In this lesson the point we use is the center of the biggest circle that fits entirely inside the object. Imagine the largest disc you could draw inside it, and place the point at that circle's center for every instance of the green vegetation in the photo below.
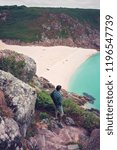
(43, 115)
(44, 101)
(10, 64)
(83, 118)
(25, 24)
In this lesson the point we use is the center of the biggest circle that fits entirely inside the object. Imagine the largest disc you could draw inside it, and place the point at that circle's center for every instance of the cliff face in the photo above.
(20, 97)
(17, 99)
(49, 27)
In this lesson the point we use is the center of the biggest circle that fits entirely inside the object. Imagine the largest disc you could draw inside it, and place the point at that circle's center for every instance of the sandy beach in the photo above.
(57, 63)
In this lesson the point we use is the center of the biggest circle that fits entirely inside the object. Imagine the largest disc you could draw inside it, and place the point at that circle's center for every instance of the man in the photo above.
(57, 99)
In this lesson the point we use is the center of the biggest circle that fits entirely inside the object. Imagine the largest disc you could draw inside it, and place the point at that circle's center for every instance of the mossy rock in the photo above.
(17, 64)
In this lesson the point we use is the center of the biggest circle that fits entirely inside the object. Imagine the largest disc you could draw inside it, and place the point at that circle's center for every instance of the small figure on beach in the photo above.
(57, 99)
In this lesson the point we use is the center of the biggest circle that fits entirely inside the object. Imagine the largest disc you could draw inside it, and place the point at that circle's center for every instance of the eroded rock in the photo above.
(20, 97)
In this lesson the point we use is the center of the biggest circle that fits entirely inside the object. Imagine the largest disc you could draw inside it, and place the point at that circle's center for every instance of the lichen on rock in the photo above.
(20, 97)
(10, 137)
(19, 65)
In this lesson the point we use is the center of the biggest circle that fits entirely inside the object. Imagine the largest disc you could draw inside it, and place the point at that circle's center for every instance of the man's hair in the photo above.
(58, 87)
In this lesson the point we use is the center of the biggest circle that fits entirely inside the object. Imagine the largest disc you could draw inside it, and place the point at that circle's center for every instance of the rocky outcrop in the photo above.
(40, 83)
(17, 64)
(85, 43)
(62, 29)
(48, 134)
(94, 141)
(60, 139)
(20, 97)
(45, 84)
(10, 137)
(80, 100)
(17, 99)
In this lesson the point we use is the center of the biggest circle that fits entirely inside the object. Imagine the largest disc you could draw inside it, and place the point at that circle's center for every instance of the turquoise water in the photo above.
(87, 79)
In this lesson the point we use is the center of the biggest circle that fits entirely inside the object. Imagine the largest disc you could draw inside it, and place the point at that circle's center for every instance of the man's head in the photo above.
(58, 87)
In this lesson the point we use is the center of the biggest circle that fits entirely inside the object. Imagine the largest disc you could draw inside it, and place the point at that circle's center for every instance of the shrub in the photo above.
(71, 107)
(43, 115)
(90, 120)
(10, 64)
(82, 117)
(44, 101)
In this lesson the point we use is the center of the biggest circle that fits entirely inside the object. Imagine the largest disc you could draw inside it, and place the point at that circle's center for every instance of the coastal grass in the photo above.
(82, 117)
(23, 23)
(44, 101)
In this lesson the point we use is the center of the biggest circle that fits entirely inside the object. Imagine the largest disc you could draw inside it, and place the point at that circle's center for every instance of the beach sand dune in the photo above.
(57, 63)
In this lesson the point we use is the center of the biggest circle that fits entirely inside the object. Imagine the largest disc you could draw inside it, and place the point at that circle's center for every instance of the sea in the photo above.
(86, 81)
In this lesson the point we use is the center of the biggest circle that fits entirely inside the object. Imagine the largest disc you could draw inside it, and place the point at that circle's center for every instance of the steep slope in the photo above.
(27, 112)
(50, 26)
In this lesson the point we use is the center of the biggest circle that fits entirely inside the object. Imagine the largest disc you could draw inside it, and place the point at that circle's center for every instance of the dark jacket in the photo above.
(56, 97)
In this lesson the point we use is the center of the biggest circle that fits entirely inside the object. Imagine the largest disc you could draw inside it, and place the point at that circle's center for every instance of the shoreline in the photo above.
(56, 63)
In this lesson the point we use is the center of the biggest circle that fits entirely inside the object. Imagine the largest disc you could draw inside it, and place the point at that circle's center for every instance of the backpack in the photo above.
(54, 97)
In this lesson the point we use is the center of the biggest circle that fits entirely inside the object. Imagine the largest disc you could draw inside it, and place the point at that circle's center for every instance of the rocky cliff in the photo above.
(50, 26)
(26, 127)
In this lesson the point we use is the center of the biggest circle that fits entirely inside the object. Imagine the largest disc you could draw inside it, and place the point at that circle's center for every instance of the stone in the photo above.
(10, 137)
(94, 141)
(20, 97)
(58, 139)
(46, 84)
(69, 121)
(19, 65)
(80, 100)
(73, 147)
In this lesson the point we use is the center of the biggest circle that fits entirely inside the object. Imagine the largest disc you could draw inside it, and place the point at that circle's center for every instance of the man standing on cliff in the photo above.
(57, 99)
